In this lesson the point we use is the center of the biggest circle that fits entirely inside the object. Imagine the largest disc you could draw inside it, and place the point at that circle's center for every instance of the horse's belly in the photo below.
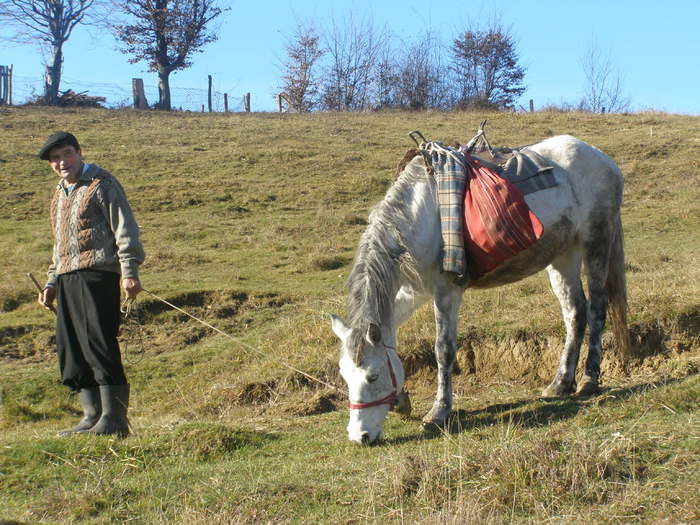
(556, 239)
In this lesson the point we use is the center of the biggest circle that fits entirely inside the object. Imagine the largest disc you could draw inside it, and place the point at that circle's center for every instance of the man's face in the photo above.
(66, 162)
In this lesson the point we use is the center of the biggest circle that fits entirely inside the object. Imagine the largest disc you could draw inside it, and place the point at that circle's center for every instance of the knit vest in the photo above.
(82, 237)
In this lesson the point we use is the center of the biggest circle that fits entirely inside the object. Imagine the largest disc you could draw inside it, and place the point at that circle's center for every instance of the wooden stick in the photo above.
(41, 290)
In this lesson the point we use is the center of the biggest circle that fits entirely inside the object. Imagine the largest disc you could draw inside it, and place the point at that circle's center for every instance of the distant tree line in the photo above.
(352, 65)
(346, 64)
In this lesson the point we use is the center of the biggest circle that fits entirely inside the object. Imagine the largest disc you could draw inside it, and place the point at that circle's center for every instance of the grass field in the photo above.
(251, 222)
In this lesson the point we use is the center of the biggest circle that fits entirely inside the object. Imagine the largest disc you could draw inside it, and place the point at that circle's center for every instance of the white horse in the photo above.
(398, 267)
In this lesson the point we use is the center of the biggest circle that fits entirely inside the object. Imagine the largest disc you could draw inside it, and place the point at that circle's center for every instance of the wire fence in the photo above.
(25, 89)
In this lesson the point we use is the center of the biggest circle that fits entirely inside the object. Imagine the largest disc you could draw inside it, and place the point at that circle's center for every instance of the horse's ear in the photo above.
(339, 327)
(374, 334)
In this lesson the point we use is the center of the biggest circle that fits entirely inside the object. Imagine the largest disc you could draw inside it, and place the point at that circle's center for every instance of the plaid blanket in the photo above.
(451, 177)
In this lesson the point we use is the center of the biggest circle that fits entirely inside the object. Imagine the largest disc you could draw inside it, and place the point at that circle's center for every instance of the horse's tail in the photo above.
(616, 286)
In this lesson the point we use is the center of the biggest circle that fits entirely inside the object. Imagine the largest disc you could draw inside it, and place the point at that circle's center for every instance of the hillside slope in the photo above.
(251, 222)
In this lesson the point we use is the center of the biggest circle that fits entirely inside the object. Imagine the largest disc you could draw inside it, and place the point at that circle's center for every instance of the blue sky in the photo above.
(654, 46)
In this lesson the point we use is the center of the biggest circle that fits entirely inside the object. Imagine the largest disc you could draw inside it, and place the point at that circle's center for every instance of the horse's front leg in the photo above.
(446, 306)
(406, 301)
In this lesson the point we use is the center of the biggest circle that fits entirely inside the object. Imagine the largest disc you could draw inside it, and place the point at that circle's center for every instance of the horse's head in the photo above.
(375, 378)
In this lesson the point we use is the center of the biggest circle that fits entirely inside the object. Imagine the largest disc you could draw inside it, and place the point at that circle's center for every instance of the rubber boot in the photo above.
(90, 402)
(115, 402)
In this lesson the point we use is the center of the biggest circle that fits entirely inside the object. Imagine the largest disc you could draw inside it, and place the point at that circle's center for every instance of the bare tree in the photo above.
(604, 90)
(419, 75)
(352, 47)
(384, 92)
(165, 34)
(485, 64)
(50, 24)
(299, 79)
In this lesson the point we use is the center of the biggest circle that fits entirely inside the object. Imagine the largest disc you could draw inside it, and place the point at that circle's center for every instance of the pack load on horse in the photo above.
(456, 218)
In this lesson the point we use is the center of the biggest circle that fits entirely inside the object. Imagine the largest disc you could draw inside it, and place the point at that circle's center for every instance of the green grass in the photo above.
(251, 222)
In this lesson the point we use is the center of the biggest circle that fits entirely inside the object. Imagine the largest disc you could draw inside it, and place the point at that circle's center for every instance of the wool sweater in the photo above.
(94, 227)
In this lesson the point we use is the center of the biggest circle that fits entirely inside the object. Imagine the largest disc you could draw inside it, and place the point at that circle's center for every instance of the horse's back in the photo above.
(586, 194)
(584, 166)
(589, 185)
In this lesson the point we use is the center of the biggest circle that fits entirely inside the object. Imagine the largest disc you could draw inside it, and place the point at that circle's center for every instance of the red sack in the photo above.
(499, 224)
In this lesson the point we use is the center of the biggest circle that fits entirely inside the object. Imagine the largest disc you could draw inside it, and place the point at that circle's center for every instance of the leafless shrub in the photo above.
(300, 82)
(353, 48)
(419, 83)
(604, 91)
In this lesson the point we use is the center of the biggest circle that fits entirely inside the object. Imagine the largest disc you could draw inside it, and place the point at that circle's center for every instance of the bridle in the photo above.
(387, 400)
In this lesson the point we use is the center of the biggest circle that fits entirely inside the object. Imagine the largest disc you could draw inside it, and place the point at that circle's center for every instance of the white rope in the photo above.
(244, 344)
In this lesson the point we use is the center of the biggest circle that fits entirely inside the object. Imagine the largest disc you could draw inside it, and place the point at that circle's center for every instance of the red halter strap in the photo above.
(388, 400)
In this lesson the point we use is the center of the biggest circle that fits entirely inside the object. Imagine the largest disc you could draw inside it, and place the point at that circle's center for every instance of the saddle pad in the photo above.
(498, 222)
(528, 171)
(524, 168)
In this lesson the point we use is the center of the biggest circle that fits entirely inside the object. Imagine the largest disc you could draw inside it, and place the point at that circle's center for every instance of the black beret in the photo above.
(60, 138)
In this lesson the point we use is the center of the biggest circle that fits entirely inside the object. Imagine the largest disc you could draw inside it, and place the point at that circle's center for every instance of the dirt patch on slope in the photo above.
(319, 403)
(532, 357)
(33, 343)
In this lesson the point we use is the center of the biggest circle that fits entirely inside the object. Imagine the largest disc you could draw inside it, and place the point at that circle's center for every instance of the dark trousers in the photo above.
(86, 329)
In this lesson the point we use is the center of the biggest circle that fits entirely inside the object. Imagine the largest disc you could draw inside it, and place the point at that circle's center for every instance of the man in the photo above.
(96, 240)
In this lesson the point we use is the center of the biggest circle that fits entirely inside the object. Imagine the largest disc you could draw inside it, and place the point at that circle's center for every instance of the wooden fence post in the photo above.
(225, 102)
(279, 103)
(5, 85)
(209, 94)
(139, 94)
(246, 102)
(2, 85)
(532, 106)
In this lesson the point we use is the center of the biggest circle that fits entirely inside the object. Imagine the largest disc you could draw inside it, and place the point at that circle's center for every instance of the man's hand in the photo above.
(132, 287)
(46, 297)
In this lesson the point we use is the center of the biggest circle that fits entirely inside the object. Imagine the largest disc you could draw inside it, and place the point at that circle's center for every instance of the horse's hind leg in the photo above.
(446, 308)
(565, 278)
(597, 259)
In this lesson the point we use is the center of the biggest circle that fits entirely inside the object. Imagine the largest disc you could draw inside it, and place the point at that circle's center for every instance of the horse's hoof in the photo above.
(588, 387)
(403, 405)
(557, 389)
(436, 418)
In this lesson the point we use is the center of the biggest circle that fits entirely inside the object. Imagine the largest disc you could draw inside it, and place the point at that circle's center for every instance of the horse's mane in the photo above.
(382, 255)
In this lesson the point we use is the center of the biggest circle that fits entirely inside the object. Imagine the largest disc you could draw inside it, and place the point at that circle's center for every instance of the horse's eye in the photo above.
(371, 378)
